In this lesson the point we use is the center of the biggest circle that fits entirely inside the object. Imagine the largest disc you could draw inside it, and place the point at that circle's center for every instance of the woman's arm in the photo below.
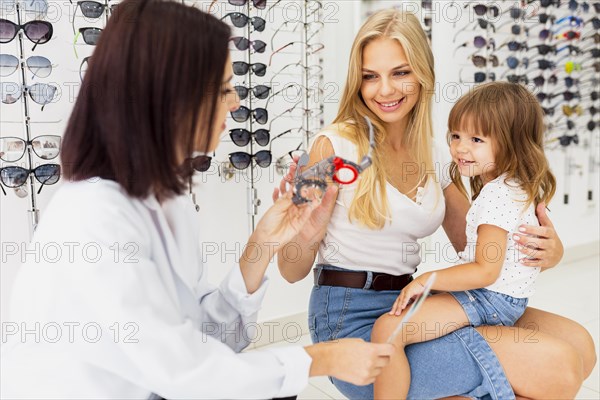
(296, 258)
(455, 220)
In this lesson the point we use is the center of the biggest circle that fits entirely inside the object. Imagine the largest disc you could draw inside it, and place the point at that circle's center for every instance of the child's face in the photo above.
(473, 154)
(389, 86)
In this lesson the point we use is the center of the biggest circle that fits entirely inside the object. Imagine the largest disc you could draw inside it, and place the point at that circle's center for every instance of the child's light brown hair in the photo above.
(512, 117)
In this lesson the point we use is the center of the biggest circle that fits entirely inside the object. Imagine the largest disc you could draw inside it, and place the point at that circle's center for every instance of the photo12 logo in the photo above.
(69, 332)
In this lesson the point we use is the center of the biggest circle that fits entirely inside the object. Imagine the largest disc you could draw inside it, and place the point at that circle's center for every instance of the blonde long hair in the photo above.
(512, 117)
(370, 207)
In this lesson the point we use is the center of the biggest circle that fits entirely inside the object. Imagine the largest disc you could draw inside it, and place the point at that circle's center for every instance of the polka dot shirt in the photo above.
(501, 203)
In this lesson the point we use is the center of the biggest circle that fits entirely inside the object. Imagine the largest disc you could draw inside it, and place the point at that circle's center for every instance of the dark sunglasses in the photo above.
(544, 49)
(482, 9)
(199, 163)
(260, 91)
(260, 4)
(549, 110)
(567, 95)
(540, 80)
(481, 61)
(595, 37)
(545, 64)
(242, 68)
(570, 125)
(479, 42)
(517, 29)
(46, 147)
(574, 4)
(14, 177)
(242, 114)
(516, 13)
(92, 9)
(240, 20)
(513, 78)
(90, 35)
(483, 24)
(39, 32)
(548, 3)
(544, 34)
(513, 45)
(595, 22)
(241, 137)
(39, 66)
(543, 18)
(242, 160)
(566, 140)
(514, 62)
(480, 77)
(242, 43)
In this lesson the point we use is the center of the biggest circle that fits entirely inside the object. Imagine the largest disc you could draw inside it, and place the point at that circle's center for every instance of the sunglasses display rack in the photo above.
(551, 47)
(45, 147)
(90, 11)
(280, 91)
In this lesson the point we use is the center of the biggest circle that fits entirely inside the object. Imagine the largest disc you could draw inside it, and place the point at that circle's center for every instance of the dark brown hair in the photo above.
(513, 118)
(150, 93)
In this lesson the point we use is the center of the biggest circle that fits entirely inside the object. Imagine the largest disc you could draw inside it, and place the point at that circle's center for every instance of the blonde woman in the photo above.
(365, 234)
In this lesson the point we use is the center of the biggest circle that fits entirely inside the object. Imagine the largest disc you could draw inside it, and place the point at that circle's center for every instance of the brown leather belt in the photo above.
(358, 279)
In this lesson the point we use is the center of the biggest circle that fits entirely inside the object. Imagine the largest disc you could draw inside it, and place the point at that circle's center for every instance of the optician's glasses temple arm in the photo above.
(277, 137)
(289, 110)
(282, 90)
(75, 44)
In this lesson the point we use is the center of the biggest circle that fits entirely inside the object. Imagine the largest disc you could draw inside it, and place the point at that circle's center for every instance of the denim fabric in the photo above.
(486, 307)
(461, 363)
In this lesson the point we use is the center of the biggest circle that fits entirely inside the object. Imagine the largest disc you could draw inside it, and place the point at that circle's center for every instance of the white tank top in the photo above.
(393, 249)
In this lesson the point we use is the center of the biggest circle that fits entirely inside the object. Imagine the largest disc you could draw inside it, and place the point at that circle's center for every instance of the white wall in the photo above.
(223, 205)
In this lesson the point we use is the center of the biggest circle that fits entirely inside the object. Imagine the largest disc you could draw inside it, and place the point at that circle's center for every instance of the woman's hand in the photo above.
(410, 292)
(316, 226)
(540, 245)
(282, 221)
(350, 360)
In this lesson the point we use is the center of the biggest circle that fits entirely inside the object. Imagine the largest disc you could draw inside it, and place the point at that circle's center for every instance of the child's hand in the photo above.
(410, 291)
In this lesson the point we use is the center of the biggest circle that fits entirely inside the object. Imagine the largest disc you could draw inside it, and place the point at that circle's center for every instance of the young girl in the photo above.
(496, 135)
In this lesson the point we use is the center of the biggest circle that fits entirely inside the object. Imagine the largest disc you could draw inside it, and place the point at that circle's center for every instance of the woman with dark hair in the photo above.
(127, 294)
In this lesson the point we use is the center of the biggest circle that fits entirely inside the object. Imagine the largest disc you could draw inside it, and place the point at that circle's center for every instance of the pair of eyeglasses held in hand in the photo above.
(312, 183)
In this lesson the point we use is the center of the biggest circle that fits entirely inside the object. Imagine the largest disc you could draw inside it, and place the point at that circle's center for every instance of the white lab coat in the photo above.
(126, 311)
